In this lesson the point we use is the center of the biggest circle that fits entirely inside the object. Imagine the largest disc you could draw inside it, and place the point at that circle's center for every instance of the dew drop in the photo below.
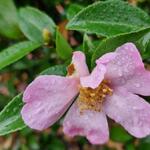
(120, 73)
(137, 85)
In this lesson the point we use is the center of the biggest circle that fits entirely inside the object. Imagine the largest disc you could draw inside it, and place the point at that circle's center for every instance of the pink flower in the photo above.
(111, 89)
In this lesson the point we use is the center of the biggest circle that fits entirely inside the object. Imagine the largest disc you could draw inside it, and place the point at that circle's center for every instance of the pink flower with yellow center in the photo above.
(112, 89)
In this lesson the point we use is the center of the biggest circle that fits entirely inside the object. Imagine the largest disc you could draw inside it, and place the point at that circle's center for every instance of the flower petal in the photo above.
(80, 65)
(123, 66)
(95, 78)
(91, 124)
(140, 83)
(106, 58)
(130, 110)
(47, 98)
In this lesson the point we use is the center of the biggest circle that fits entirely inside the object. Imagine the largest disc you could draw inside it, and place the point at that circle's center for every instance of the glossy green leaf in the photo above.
(110, 44)
(34, 23)
(55, 70)
(73, 10)
(10, 119)
(109, 18)
(118, 134)
(8, 20)
(63, 49)
(16, 52)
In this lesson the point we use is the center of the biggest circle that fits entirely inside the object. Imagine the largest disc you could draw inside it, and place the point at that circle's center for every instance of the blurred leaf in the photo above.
(8, 20)
(130, 146)
(57, 144)
(34, 23)
(55, 70)
(110, 44)
(144, 144)
(73, 10)
(87, 44)
(10, 119)
(88, 48)
(118, 134)
(109, 18)
(143, 44)
(15, 52)
(62, 47)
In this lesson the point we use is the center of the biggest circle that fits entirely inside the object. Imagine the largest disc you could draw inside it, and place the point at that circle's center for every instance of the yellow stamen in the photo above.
(92, 99)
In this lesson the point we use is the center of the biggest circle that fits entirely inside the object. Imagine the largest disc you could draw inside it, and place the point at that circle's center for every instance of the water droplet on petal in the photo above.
(120, 73)
(137, 85)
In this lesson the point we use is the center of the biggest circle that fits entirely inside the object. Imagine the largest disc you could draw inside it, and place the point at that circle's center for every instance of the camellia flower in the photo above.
(111, 89)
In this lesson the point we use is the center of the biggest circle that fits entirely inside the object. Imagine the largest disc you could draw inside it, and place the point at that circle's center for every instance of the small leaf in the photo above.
(88, 48)
(110, 44)
(73, 10)
(10, 119)
(15, 52)
(87, 44)
(118, 134)
(62, 47)
(109, 18)
(8, 20)
(55, 70)
(34, 22)
(143, 44)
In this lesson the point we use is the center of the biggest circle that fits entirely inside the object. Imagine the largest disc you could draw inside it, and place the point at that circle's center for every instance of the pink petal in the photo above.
(106, 58)
(47, 98)
(80, 65)
(124, 64)
(140, 83)
(130, 110)
(91, 124)
(95, 78)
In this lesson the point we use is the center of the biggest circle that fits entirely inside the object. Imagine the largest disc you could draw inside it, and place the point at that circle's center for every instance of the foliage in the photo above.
(26, 26)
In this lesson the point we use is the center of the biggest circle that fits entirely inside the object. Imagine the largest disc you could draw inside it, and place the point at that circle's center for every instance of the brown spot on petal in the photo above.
(70, 70)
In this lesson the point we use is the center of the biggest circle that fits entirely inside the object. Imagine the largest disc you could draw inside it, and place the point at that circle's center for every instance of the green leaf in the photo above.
(88, 48)
(34, 23)
(57, 144)
(118, 134)
(10, 119)
(15, 52)
(130, 146)
(73, 10)
(144, 144)
(55, 70)
(8, 20)
(110, 44)
(87, 44)
(109, 18)
(144, 43)
(63, 49)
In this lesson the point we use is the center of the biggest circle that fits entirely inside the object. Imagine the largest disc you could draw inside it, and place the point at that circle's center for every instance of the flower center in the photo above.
(92, 99)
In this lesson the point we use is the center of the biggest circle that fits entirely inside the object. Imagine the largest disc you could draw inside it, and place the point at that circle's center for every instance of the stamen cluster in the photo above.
(92, 99)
